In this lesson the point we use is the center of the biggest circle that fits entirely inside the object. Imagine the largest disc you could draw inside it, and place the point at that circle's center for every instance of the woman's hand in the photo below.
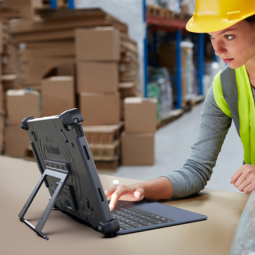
(157, 189)
(132, 192)
(244, 178)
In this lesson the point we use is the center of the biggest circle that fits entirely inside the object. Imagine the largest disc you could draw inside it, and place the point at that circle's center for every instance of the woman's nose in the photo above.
(219, 48)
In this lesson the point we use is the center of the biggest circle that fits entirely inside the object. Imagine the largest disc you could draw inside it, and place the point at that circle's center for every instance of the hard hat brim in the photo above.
(207, 24)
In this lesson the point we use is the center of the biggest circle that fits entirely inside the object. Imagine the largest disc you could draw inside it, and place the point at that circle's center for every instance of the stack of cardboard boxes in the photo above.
(97, 60)
(20, 104)
(140, 127)
(97, 56)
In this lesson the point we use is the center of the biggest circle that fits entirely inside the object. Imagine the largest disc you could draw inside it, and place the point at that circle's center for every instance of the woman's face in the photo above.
(235, 44)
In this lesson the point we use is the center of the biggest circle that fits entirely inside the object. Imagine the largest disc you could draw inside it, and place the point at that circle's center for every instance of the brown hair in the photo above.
(251, 19)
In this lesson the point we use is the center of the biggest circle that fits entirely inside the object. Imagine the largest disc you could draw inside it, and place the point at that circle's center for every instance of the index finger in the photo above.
(121, 190)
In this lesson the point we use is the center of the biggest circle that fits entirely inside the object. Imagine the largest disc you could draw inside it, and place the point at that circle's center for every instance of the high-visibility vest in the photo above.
(233, 95)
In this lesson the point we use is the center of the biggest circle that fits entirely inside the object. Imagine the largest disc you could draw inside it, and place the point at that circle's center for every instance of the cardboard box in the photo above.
(21, 104)
(2, 120)
(25, 7)
(1, 141)
(1, 97)
(137, 149)
(97, 44)
(16, 141)
(140, 115)
(97, 77)
(100, 108)
(58, 95)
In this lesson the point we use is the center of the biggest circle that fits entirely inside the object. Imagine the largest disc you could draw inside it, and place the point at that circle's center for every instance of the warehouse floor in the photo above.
(172, 147)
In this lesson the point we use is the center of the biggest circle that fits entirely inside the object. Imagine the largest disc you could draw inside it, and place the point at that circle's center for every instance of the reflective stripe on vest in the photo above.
(233, 95)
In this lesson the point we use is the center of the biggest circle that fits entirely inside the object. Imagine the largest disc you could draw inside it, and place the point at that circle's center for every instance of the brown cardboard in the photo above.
(97, 77)
(140, 115)
(137, 149)
(2, 120)
(25, 7)
(100, 108)
(1, 97)
(100, 44)
(58, 95)
(16, 141)
(19, 177)
(21, 104)
(1, 141)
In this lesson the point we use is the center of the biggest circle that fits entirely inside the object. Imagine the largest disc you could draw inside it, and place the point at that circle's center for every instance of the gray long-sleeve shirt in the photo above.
(193, 176)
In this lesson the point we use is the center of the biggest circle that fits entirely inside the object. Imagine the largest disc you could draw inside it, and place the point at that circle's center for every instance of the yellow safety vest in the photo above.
(233, 95)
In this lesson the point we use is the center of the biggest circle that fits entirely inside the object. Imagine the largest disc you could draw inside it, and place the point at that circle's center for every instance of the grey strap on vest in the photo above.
(230, 93)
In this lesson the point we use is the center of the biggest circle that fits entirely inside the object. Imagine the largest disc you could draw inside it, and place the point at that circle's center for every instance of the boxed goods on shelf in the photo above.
(160, 77)
(167, 58)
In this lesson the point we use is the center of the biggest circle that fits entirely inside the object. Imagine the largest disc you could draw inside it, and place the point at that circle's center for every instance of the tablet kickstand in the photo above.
(60, 174)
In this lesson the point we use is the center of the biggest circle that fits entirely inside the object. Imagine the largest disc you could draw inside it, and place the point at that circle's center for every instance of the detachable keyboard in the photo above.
(130, 218)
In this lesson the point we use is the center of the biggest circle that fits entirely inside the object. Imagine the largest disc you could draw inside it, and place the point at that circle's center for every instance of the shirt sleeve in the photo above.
(193, 176)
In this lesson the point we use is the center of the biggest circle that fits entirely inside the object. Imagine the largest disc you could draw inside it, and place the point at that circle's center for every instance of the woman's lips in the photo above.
(228, 60)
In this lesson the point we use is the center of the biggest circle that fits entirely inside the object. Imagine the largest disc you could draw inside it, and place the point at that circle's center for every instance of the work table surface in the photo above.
(67, 236)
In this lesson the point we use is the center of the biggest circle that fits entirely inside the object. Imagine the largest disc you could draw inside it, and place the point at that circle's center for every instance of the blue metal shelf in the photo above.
(169, 25)
(54, 4)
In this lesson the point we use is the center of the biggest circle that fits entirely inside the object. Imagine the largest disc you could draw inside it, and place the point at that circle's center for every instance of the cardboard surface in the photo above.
(58, 95)
(25, 7)
(140, 115)
(210, 237)
(100, 44)
(2, 120)
(100, 108)
(97, 77)
(16, 141)
(22, 106)
(1, 141)
(1, 98)
(137, 149)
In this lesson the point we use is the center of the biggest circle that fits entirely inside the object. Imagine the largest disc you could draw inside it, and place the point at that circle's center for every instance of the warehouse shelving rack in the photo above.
(54, 4)
(170, 25)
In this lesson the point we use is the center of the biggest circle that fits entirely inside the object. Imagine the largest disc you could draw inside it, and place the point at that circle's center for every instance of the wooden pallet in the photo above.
(103, 134)
(173, 115)
(186, 105)
(197, 100)
(158, 11)
(107, 166)
(102, 152)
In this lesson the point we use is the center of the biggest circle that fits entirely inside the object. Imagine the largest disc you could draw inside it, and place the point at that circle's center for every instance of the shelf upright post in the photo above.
(201, 63)
(215, 58)
(53, 4)
(145, 51)
(71, 4)
(179, 68)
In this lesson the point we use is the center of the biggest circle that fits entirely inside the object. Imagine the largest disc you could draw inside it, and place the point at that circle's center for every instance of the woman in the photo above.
(231, 27)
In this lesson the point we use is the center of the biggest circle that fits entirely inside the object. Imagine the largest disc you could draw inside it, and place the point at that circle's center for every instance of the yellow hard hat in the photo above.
(215, 15)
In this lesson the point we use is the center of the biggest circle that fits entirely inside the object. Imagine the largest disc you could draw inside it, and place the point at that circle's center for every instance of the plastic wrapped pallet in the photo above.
(172, 5)
(161, 77)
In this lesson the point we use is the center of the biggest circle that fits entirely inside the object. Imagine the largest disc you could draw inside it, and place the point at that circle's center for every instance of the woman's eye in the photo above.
(229, 37)
(211, 37)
